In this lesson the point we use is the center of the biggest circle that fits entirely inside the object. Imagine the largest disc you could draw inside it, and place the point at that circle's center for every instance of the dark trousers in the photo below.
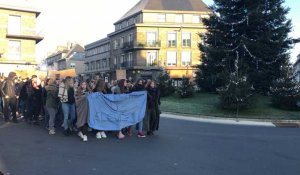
(33, 110)
(83, 129)
(153, 119)
(1, 104)
(10, 103)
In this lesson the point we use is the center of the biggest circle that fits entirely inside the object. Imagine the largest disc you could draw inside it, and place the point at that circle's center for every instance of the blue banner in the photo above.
(110, 112)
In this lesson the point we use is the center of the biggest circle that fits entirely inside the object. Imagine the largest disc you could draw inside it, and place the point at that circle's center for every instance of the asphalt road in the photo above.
(180, 147)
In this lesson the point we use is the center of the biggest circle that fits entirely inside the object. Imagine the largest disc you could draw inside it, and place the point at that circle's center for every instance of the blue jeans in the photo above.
(139, 126)
(69, 114)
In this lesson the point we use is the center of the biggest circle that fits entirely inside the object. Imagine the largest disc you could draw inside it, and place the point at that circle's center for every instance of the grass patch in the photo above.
(208, 104)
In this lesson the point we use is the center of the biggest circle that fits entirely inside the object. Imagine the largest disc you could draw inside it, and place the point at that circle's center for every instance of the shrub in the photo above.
(165, 85)
(186, 89)
(285, 93)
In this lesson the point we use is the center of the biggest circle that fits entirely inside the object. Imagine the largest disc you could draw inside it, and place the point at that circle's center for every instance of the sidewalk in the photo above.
(234, 121)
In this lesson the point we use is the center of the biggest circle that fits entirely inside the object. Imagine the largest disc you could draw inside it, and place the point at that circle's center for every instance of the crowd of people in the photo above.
(55, 103)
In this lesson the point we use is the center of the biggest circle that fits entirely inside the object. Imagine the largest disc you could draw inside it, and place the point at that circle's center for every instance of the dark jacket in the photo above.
(138, 87)
(1, 95)
(18, 88)
(8, 88)
(23, 93)
(153, 98)
(52, 100)
(44, 95)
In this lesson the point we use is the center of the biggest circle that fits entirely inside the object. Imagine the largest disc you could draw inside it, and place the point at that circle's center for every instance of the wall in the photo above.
(28, 25)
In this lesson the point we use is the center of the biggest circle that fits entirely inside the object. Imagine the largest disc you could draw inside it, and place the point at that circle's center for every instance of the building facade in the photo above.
(297, 69)
(67, 57)
(18, 39)
(97, 59)
(156, 36)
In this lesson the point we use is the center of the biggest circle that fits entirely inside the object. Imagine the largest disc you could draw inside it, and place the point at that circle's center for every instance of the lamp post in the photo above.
(187, 71)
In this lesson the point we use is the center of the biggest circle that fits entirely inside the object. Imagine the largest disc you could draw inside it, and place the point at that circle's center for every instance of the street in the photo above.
(179, 147)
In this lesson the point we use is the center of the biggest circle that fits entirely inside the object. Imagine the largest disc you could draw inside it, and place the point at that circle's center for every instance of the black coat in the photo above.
(8, 88)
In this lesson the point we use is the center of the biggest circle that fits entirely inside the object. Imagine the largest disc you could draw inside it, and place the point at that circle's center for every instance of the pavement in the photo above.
(183, 146)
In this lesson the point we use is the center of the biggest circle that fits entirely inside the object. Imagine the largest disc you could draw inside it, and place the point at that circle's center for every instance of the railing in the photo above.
(128, 45)
(148, 44)
(23, 32)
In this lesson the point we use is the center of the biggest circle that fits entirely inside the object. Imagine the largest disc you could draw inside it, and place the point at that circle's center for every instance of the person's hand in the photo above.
(17, 97)
(6, 96)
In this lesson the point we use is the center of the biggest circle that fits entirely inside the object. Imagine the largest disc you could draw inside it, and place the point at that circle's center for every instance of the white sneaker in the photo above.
(98, 135)
(80, 134)
(103, 135)
(51, 132)
(85, 139)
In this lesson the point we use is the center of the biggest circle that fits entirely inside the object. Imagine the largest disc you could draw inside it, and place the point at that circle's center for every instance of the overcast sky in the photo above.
(85, 21)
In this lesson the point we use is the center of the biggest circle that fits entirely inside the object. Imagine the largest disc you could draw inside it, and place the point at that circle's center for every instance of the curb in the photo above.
(230, 121)
(231, 118)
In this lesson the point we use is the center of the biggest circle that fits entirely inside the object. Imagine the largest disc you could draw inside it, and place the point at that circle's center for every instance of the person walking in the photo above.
(153, 113)
(82, 110)
(67, 97)
(34, 94)
(51, 103)
(100, 87)
(121, 89)
(8, 90)
(139, 86)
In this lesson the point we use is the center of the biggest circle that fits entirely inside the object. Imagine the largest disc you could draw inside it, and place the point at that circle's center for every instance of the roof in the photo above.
(97, 43)
(167, 5)
(77, 48)
(21, 9)
(57, 53)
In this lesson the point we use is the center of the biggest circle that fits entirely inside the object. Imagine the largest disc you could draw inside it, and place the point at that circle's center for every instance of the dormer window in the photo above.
(179, 18)
(196, 19)
(161, 17)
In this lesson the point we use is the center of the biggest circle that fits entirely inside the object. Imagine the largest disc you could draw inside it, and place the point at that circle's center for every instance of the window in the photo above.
(196, 19)
(98, 65)
(151, 38)
(130, 38)
(14, 25)
(172, 39)
(101, 64)
(122, 60)
(121, 42)
(161, 18)
(179, 19)
(107, 62)
(115, 61)
(72, 65)
(186, 39)
(90, 65)
(93, 65)
(86, 66)
(14, 50)
(152, 58)
(171, 58)
(186, 58)
(130, 60)
(124, 23)
(104, 63)
(115, 44)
